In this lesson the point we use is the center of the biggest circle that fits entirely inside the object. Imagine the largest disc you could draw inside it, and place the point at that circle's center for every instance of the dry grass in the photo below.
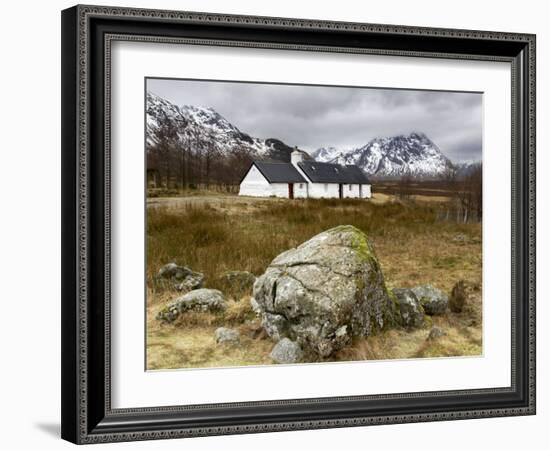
(460, 339)
(189, 341)
(216, 234)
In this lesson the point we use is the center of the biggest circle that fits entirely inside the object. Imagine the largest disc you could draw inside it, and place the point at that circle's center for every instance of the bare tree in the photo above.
(449, 178)
(163, 150)
(475, 179)
(404, 185)
(465, 193)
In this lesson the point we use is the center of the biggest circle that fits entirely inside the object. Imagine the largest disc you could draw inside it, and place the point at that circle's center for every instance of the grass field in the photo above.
(215, 233)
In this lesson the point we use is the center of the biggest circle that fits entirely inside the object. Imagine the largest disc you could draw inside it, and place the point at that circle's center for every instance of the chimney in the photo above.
(296, 156)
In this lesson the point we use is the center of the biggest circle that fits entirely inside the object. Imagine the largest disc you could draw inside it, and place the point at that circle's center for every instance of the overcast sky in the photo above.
(312, 116)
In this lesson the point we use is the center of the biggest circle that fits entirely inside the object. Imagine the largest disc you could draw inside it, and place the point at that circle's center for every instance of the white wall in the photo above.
(279, 190)
(366, 191)
(323, 190)
(255, 184)
(30, 387)
(301, 190)
(351, 191)
(330, 190)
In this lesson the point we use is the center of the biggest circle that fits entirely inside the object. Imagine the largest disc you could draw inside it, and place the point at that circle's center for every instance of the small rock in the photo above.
(435, 333)
(181, 277)
(410, 309)
(192, 281)
(458, 297)
(466, 299)
(227, 335)
(286, 352)
(432, 299)
(173, 271)
(275, 325)
(197, 300)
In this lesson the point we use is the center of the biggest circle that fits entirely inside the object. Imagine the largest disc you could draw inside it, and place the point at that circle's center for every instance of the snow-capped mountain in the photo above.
(326, 154)
(201, 127)
(414, 154)
(204, 128)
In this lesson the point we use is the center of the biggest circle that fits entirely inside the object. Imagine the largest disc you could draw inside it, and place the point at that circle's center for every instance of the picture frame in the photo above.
(88, 33)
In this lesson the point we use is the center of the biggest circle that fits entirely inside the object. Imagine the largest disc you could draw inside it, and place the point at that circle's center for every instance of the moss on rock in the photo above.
(325, 292)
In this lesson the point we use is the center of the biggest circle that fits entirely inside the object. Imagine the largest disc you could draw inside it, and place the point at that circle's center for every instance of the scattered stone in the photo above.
(196, 300)
(410, 309)
(275, 325)
(181, 278)
(324, 292)
(458, 297)
(193, 281)
(435, 333)
(174, 272)
(227, 335)
(286, 352)
(432, 299)
(238, 280)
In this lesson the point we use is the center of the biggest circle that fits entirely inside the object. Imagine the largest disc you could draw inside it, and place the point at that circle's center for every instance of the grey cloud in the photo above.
(315, 116)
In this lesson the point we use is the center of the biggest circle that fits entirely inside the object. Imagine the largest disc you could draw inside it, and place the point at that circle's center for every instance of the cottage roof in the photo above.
(279, 172)
(319, 172)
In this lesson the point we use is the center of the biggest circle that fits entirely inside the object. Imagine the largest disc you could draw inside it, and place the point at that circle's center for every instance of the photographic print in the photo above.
(291, 223)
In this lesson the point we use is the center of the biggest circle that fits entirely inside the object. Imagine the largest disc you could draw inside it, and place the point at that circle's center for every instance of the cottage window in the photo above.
(350, 187)
(326, 187)
(301, 185)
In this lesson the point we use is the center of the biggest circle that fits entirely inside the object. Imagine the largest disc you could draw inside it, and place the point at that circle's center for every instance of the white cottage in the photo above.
(304, 179)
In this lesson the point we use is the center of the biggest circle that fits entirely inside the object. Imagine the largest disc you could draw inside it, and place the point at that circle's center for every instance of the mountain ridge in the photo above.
(204, 129)
(393, 156)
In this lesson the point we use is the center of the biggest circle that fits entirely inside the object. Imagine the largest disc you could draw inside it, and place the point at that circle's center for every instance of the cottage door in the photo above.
(340, 191)
(290, 190)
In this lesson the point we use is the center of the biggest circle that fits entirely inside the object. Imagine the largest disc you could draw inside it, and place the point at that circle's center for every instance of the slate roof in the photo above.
(319, 172)
(279, 172)
(357, 175)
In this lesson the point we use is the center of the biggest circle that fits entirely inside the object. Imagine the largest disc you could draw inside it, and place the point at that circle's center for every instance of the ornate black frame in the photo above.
(87, 31)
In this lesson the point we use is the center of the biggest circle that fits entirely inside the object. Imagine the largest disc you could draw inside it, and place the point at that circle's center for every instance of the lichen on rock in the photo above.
(324, 292)
(433, 300)
(182, 278)
(286, 352)
(410, 309)
(201, 300)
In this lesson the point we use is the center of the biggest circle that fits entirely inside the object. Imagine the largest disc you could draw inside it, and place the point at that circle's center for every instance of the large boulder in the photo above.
(410, 310)
(201, 300)
(181, 278)
(432, 299)
(324, 292)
